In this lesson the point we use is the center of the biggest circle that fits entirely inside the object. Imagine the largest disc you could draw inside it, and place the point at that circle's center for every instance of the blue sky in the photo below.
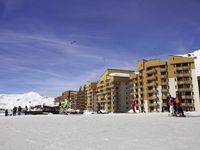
(37, 52)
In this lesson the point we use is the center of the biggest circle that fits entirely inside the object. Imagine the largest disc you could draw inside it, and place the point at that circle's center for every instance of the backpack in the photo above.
(177, 100)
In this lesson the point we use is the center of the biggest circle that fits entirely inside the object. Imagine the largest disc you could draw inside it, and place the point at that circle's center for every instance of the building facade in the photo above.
(113, 90)
(158, 79)
(183, 81)
(90, 96)
(81, 99)
(153, 84)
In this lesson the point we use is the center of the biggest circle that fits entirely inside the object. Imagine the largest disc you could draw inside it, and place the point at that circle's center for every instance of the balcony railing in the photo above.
(184, 82)
(183, 68)
(152, 71)
(185, 89)
(183, 75)
(187, 96)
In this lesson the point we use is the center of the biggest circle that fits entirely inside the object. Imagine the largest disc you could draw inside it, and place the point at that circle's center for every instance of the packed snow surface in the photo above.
(129, 131)
(8, 101)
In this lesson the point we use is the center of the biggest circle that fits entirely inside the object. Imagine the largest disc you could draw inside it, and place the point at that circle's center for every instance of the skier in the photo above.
(99, 108)
(133, 105)
(63, 106)
(171, 105)
(25, 110)
(14, 111)
(178, 107)
(6, 112)
(19, 110)
(168, 107)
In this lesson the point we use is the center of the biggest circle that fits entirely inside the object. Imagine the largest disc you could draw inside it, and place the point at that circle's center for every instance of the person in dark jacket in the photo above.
(6, 112)
(179, 109)
(99, 108)
(14, 111)
(25, 110)
(19, 110)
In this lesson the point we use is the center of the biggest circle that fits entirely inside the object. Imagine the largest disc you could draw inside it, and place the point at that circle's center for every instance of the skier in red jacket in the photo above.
(133, 105)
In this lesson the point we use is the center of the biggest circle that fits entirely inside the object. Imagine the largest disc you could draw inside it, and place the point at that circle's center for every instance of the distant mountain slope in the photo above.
(30, 98)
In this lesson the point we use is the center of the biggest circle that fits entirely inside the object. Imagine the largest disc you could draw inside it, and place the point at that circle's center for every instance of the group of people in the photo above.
(174, 106)
(17, 111)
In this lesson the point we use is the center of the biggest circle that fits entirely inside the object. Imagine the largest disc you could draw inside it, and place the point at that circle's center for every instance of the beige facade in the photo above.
(153, 85)
(113, 90)
(150, 86)
(157, 79)
(90, 96)
(183, 81)
(81, 99)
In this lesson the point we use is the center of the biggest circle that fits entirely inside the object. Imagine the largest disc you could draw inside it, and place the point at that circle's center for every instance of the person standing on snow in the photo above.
(99, 108)
(25, 110)
(171, 105)
(19, 110)
(14, 111)
(133, 105)
(179, 109)
(6, 112)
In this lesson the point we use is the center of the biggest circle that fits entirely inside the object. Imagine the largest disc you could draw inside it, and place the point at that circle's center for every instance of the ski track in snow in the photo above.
(100, 132)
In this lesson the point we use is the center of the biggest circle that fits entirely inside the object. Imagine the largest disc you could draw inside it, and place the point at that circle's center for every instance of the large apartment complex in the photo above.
(150, 86)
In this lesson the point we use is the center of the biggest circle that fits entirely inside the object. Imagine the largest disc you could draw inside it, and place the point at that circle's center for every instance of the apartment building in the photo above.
(153, 85)
(157, 79)
(90, 96)
(183, 81)
(81, 99)
(113, 90)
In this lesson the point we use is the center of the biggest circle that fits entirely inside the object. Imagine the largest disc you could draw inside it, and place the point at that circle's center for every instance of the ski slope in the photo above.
(129, 131)
(8, 101)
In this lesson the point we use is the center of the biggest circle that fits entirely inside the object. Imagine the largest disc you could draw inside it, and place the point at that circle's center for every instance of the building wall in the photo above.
(112, 89)
(153, 90)
(195, 90)
(81, 100)
(172, 87)
(181, 70)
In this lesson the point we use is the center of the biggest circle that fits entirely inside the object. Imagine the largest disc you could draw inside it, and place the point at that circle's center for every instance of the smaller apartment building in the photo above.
(153, 85)
(81, 99)
(90, 96)
(113, 90)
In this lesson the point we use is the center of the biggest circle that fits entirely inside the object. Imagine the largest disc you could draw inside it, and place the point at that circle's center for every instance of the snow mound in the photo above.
(8, 101)
(196, 55)
(119, 74)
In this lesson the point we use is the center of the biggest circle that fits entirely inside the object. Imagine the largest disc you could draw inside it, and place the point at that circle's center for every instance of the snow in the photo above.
(196, 55)
(119, 74)
(8, 101)
(155, 131)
